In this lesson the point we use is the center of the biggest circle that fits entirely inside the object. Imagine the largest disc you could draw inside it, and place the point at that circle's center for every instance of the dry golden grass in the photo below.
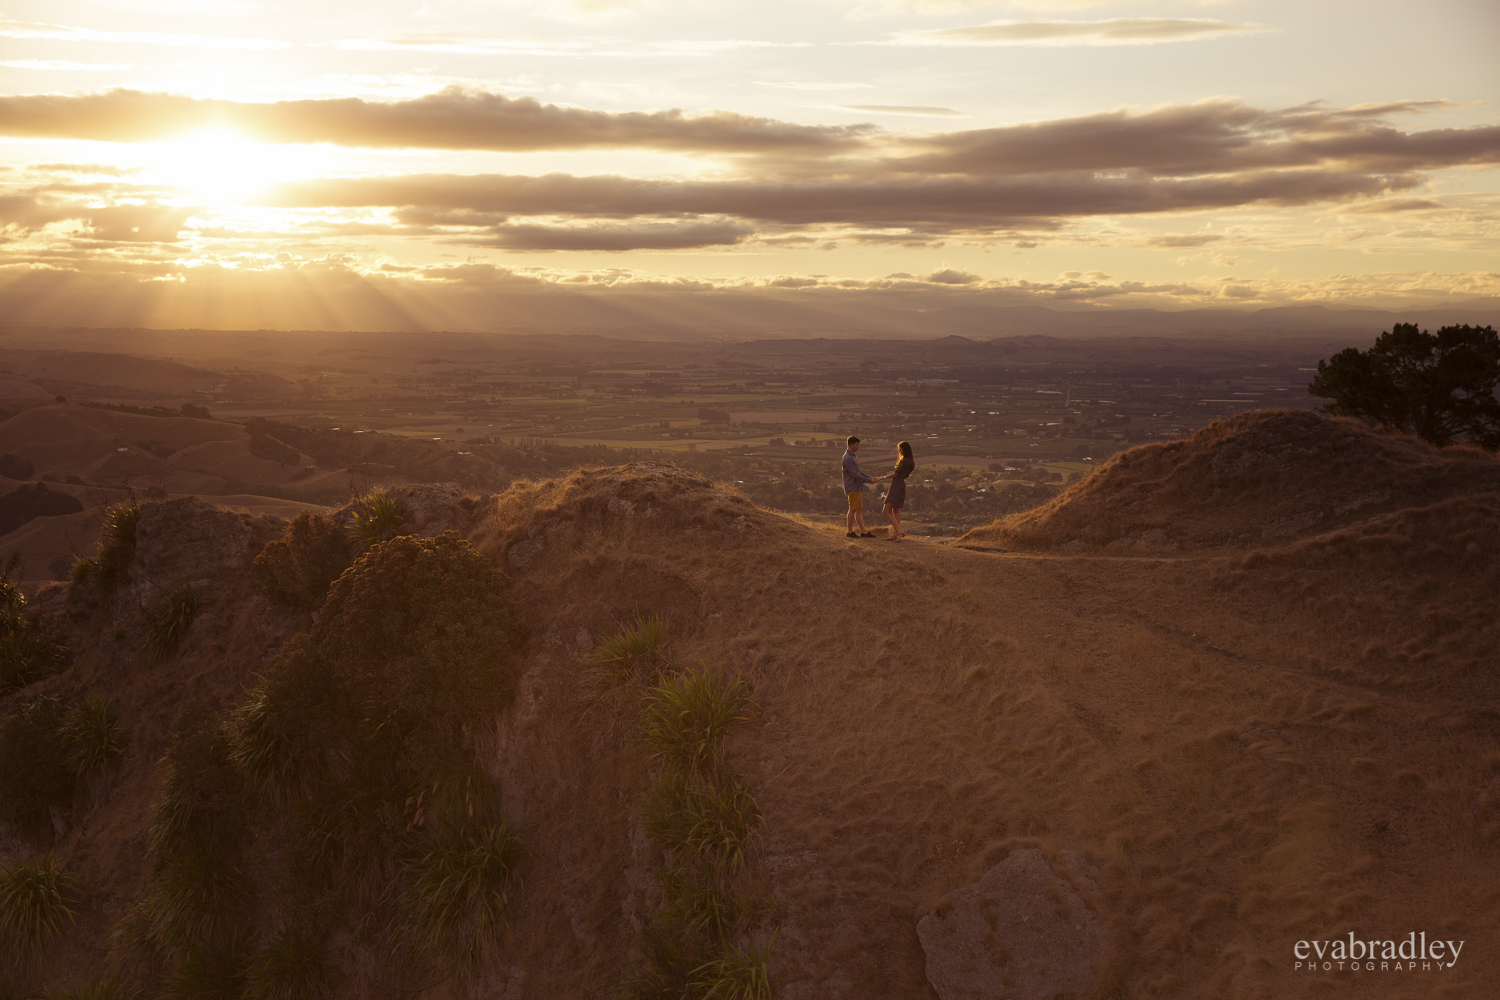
(1253, 748)
(1217, 743)
(1266, 476)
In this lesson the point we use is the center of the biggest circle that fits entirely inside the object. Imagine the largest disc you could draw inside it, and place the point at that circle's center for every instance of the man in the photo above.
(854, 486)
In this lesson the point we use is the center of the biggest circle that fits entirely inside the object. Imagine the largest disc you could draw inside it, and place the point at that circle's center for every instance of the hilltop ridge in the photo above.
(1260, 477)
(1221, 750)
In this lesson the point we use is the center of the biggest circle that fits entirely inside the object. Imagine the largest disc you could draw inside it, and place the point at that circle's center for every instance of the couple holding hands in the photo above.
(854, 486)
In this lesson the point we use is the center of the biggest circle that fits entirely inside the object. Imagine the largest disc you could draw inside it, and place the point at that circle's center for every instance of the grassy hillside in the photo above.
(1247, 747)
(1261, 477)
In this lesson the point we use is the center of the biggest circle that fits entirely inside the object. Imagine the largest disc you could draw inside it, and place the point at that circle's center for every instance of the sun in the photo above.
(221, 167)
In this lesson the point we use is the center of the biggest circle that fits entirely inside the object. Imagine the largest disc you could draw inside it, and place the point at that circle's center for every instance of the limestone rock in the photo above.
(1019, 933)
(188, 538)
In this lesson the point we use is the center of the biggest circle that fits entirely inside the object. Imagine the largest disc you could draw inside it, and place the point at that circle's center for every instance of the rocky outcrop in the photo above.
(188, 540)
(1021, 932)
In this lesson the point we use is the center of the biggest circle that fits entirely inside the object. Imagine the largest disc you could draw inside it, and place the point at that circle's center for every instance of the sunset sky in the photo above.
(232, 163)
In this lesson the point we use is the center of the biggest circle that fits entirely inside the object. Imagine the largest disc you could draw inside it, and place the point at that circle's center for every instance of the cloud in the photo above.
(915, 110)
(1115, 31)
(935, 204)
(576, 47)
(64, 65)
(1212, 136)
(950, 276)
(450, 119)
(814, 86)
(58, 32)
(613, 236)
(1395, 205)
(1179, 240)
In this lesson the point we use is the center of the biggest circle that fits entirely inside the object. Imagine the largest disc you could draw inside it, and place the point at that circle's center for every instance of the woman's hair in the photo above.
(905, 449)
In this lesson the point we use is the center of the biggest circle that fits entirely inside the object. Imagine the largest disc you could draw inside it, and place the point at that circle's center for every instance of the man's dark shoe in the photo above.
(850, 534)
(868, 534)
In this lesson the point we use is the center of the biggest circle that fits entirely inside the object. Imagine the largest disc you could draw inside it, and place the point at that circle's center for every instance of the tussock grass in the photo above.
(458, 888)
(95, 739)
(737, 974)
(709, 819)
(634, 652)
(168, 622)
(36, 903)
(703, 818)
(293, 965)
(197, 911)
(100, 988)
(26, 653)
(208, 973)
(35, 767)
(689, 716)
(381, 518)
(111, 567)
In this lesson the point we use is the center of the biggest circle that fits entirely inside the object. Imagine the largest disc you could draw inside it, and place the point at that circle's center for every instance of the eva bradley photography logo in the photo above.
(1411, 954)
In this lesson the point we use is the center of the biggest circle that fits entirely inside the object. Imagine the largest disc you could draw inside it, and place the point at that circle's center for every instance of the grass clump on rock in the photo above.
(36, 775)
(357, 734)
(36, 904)
(94, 738)
(27, 653)
(707, 940)
(168, 622)
(380, 518)
(634, 651)
(111, 567)
(293, 965)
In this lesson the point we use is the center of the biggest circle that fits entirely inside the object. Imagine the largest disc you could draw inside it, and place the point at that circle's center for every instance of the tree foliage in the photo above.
(1440, 387)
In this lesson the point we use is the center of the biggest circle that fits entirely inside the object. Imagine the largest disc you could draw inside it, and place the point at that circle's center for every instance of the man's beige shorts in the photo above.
(857, 500)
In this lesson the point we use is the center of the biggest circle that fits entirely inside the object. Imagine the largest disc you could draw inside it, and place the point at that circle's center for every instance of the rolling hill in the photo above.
(1176, 764)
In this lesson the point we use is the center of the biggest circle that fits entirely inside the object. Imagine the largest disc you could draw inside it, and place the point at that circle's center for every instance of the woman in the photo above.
(896, 498)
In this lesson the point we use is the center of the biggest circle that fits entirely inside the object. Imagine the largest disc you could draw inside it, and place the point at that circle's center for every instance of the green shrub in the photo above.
(196, 910)
(102, 988)
(357, 735)
(27, 653)
(737, 974)
(634, 652)
(94, 738)
(708, 819)
(381, 518)
(82, 571)
(36, 903)
(35, 772)
(458, 888)
(116, 547)
(689, 716)
(299, 568)
(213, 972)
(293, 965)
(168, 621)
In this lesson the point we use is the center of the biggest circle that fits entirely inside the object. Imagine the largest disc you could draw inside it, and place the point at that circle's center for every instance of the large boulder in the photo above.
(1021, 932)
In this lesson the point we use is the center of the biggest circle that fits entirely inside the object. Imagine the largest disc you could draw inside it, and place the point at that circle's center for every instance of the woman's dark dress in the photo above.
(897, 496)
